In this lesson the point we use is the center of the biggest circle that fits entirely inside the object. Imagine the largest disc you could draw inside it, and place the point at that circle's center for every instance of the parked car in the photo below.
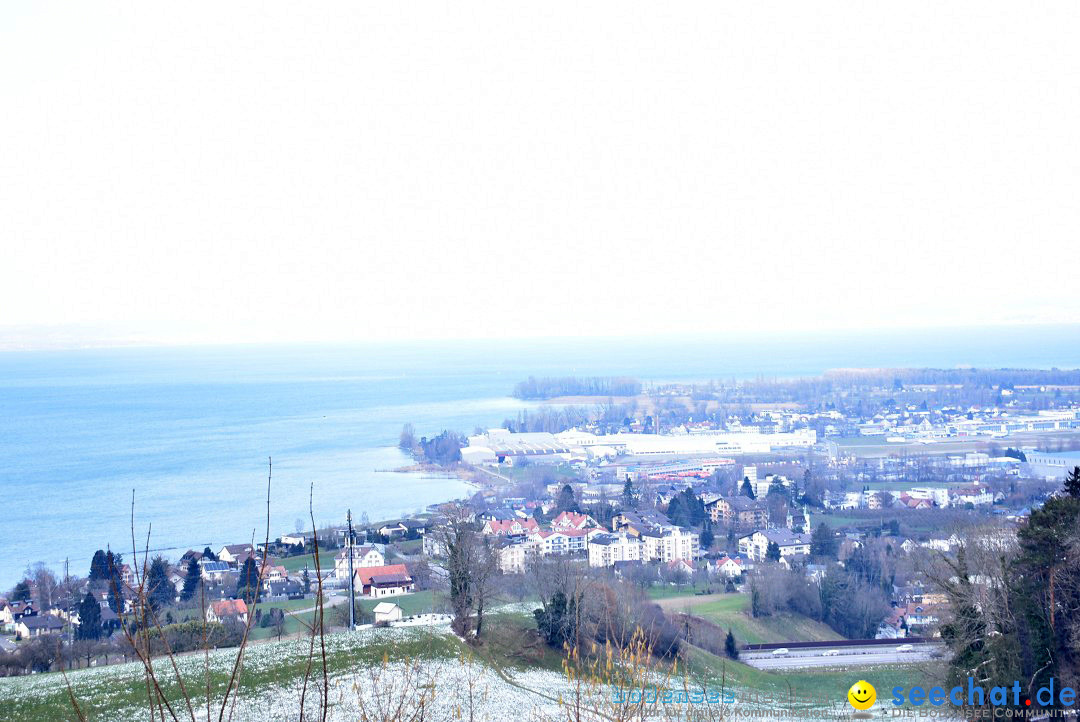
(782, 652)
(905, 648)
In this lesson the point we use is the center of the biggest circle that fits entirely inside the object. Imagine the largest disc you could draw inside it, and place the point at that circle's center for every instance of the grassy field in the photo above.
(296, 621)
(418, 603)
(300, 621)
(296, 564)
(838, 520)
(409, 546)
(731, 611)
(511, 643)
(670, 592)
(824, 682)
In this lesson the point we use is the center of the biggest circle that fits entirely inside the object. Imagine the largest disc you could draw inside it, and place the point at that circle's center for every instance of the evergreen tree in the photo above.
(1039, 600)
(1072, 483)
(730, 648)
(693, 508)
(675, 512)
(248, 582)
(305, 579)
(823, 542)
(628, 495)
(115, 596)
(707, 539)
(89, 619)
(191, 580)
(747, 489)
(209, 554)
(566, 500)
(160, 592)
(965, 633)
(772, 552)
(115, 579)
(557, 622)
(21, 592)
(99, 566)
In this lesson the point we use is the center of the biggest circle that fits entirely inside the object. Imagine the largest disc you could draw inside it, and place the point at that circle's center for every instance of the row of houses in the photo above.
(224, 571)
(916, 497)
(633, 537)
(522, 538)
(22, 619)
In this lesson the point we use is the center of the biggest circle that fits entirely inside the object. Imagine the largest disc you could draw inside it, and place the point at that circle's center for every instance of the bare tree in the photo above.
(45, 584)
(471, 566)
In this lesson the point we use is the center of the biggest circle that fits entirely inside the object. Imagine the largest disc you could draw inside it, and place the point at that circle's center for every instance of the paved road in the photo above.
(847, 657)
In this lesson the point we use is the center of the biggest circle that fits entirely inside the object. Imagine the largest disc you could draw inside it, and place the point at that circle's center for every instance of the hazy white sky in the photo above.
(255, 171)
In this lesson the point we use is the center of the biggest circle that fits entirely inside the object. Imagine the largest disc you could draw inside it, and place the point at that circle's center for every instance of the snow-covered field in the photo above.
(446, 683)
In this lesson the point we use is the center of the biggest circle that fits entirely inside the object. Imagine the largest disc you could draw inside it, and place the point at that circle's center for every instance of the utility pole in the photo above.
(350, 540)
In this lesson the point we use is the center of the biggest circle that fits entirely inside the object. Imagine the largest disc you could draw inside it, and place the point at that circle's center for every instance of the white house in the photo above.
(387, 612)
(669, 543)
(362, 556)
(976, 495)
(213, 571)
(940, 496)
(756, 545)
(564, 541)
(38, 625)
(606, 549)
(235, 554)
(761, 486)
(513, 555)
(728, 567)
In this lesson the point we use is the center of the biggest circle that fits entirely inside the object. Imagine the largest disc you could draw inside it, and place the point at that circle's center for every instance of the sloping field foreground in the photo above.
(370, 672)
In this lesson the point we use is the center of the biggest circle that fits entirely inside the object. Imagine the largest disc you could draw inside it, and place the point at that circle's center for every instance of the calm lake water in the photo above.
(190, 429)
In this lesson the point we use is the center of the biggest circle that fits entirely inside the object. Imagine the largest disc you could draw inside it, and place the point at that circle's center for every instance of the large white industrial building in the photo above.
(500, 444)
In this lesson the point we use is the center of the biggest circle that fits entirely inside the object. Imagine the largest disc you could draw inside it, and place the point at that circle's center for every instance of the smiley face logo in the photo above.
(862, 695)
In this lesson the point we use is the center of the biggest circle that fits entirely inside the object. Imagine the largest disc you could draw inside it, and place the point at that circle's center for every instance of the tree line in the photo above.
(551, 387)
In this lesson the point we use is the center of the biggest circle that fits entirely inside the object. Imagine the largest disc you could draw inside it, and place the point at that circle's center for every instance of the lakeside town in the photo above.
(776, 514)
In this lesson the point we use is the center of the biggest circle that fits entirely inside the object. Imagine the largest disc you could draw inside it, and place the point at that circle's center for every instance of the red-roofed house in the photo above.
(511, 527)
(227, 609)
(385, 581)
(680, 565)
(573, 520)
(728, 567)
(913, 503)
(976, 495)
